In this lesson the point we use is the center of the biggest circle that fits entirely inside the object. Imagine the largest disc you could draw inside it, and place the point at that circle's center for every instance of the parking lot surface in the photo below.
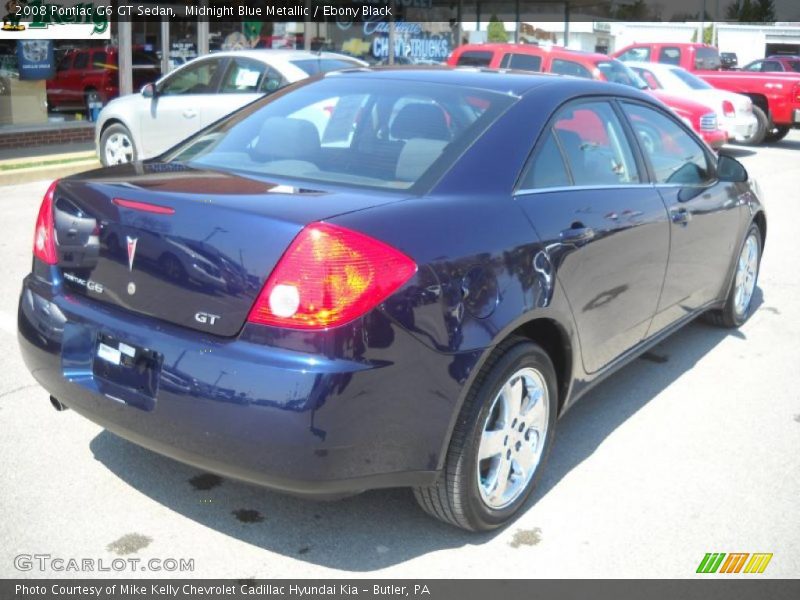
(693, 448)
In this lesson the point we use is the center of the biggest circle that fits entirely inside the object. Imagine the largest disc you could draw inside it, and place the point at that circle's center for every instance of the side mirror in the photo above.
(730, 169)
(149, 90)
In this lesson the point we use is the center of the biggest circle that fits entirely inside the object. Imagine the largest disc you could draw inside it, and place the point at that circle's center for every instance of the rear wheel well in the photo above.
(551, 337)
(761, 102)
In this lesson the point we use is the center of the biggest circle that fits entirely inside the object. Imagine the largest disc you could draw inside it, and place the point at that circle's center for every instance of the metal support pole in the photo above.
(165, 46)
(391, 34)
(202, 33)
(459, 29)
(125, 57)
(566, 24)
(307, 27)
(517, 18)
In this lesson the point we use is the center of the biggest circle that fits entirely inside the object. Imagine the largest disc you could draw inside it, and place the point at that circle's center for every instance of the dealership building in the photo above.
(33, 110)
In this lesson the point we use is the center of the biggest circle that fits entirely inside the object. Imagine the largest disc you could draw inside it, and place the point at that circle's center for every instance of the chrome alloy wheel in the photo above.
(513, 438)
(118, 149)
(746, 275)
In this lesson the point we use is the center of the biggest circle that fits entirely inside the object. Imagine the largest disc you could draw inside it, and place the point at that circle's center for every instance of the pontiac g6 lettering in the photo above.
(413, 273)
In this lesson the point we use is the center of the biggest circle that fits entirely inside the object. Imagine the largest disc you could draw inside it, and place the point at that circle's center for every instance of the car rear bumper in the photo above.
(740, 128)
(300, 423)
(796, 116)
(716, 139)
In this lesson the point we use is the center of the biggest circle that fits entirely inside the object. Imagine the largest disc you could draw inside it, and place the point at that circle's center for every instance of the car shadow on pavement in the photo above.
(381, 528)
(737, 151)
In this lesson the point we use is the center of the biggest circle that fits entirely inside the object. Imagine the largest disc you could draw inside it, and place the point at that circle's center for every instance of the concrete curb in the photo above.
(17, 176)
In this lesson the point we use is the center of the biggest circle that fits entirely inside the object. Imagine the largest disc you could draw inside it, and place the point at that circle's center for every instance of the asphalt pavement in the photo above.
(694, 448)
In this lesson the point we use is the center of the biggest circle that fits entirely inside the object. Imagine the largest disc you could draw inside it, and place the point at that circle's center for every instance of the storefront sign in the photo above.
(35, 59)
(421, 46)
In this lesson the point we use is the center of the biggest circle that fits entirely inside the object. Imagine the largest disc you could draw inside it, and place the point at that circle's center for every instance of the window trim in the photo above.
(712, 162)
(642, 167)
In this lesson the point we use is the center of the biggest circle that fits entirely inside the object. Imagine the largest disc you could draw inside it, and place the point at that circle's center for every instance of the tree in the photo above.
(496, 32)
(708, 35)
(751, 11)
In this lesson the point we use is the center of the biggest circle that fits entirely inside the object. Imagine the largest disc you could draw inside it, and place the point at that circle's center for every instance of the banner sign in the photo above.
(35, 59)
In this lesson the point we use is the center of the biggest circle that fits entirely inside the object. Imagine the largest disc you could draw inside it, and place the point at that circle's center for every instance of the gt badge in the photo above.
(131, 251)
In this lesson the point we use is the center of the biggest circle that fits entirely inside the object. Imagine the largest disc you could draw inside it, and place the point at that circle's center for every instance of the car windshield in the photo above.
(617, 72)
(691, 81)
(377, 133)
(312, 66)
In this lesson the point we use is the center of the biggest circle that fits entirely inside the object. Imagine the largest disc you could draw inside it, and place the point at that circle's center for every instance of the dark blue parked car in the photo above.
(423, 269)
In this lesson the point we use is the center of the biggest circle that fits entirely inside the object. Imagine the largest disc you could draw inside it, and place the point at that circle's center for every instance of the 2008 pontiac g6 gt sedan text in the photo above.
(381, 278)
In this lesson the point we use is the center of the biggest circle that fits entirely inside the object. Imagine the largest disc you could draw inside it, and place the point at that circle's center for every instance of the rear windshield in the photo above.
(690, 80)
(706, 59)
(617, 72)
(474, 58)
(375, 133)
(312, 66)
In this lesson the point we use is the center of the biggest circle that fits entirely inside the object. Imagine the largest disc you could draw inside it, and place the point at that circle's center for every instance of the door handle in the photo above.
(190, 113)
(680, 216)
(577, 234)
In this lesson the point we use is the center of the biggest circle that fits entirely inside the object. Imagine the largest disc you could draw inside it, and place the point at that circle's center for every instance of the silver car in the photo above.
(144, 125)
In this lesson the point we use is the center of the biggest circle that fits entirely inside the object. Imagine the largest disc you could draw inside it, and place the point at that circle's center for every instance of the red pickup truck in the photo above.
(88, 75)
(775, 95)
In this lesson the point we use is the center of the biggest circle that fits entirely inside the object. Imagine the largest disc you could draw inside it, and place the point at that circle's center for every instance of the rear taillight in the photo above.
(727, 109)
(796, 93)
(329, 276)
(44, 242)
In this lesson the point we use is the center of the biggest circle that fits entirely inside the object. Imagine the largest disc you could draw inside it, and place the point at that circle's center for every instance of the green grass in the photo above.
(43, 163)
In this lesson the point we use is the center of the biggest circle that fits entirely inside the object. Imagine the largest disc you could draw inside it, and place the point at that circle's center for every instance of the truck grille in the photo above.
(708, 122)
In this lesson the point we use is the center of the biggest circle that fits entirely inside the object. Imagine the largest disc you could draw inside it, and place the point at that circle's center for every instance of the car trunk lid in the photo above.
(188, 246)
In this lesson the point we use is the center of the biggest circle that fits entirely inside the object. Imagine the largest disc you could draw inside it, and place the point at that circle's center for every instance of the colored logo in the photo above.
(131, 251)
(735, 562)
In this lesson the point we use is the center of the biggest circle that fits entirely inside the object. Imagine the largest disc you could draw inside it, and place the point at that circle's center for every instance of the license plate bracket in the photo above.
(126, 372)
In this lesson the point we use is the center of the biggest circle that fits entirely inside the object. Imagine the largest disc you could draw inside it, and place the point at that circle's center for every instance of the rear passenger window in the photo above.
(547, 169)
(473, 58)
(586, 146)
(676, 157)
(670, 56)
(523, 62)
(594, 144)
(568, 67)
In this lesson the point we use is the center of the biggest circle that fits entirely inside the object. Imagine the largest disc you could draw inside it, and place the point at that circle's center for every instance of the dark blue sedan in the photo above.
(384, 278)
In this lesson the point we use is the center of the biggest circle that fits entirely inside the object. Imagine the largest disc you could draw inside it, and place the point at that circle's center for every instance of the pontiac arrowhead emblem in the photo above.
(131, 251)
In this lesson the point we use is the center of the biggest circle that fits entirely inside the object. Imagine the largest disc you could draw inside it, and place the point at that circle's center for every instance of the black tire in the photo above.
(729, 316)
(776, 134)
(761, 128)
(122, 133)
(455, 498)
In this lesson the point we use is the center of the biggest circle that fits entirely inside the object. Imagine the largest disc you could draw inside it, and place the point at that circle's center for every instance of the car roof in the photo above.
(653, 66)
(507, 81)
(283, 54)
(537, 50)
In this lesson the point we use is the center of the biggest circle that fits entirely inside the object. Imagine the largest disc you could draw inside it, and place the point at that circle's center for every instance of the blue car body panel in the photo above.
(371, 403)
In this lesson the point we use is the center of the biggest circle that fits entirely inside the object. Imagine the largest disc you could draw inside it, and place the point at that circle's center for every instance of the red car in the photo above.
(774, 64)
(88, 75)
(553, 59)
(775, 95)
